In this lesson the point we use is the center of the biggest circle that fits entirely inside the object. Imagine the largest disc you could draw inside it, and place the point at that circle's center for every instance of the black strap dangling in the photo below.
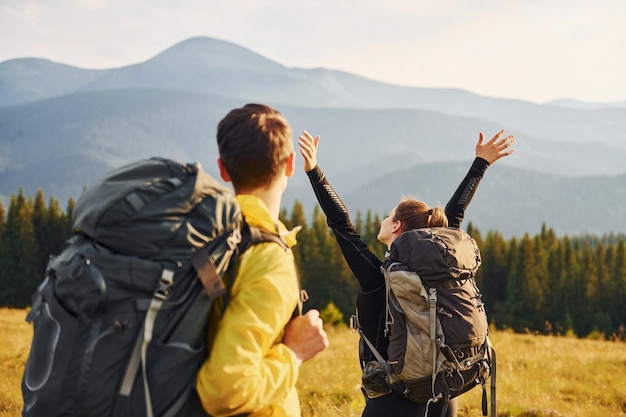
(484, 400)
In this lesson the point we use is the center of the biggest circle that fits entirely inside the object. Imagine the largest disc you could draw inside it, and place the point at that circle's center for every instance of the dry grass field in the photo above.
(538, 376)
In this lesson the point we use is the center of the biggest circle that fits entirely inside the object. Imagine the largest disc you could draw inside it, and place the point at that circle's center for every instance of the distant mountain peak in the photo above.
(210, 52)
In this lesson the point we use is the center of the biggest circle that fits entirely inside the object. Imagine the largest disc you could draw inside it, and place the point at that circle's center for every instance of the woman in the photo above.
(366, 266)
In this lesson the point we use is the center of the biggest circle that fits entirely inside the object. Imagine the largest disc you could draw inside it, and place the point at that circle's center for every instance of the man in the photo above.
(256, 347)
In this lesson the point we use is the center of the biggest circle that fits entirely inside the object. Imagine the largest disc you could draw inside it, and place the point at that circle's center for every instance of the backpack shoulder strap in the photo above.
(251, 235)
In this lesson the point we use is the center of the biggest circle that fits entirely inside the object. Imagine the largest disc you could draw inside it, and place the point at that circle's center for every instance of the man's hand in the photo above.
(305, 335)
(496, 148)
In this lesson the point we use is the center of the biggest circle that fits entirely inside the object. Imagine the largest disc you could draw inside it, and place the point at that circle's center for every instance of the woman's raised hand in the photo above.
(496, 148)
(308, 149)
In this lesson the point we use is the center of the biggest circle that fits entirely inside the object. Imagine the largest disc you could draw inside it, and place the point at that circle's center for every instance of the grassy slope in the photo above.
(571, 377)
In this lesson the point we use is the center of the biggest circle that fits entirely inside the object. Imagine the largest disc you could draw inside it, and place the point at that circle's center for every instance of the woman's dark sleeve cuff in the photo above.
(316, 174)
(480, 165)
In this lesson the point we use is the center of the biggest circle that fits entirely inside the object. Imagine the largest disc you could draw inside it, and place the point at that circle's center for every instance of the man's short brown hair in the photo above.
(254, 142)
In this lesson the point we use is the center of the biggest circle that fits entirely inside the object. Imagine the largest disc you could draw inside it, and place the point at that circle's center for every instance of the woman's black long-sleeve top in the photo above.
(364, 264)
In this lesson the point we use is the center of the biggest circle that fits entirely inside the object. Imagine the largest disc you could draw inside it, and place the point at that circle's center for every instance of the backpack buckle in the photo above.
(165, 283)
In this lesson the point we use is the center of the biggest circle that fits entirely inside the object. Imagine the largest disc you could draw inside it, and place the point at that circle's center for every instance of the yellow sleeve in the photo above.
(248, 368)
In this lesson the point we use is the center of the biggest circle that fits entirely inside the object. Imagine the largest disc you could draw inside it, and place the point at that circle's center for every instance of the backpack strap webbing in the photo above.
(490, 352)
(432, 305)
(394, 382)
(492, 383)
(139, 355)
(383, 363)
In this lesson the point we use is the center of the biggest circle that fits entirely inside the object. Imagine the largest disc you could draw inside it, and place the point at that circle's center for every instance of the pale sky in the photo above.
(535, 50)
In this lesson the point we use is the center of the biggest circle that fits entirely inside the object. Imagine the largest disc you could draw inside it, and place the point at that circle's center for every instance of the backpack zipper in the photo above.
(117, 327)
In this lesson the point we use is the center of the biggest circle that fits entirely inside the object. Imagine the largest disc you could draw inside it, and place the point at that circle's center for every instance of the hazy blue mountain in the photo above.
(62, 127)
(63, 143)
(511, 200)
(31, 79)
(576, 104)
(217, 67)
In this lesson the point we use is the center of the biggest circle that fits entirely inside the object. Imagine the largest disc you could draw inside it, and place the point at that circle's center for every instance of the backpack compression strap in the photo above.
(432, 304)
(140, 350)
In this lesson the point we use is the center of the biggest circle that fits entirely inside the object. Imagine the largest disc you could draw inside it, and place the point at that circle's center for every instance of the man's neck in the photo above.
(271, 196)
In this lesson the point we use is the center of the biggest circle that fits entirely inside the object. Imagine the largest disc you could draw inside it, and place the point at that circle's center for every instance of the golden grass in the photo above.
(568, 376)
(573, 377)
(15, 336)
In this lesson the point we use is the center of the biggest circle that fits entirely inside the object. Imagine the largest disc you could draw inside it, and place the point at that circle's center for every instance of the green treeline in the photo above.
(30, 232)
(541, 283)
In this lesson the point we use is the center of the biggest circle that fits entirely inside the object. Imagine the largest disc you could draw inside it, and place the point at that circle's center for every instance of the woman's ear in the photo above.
(397, 226)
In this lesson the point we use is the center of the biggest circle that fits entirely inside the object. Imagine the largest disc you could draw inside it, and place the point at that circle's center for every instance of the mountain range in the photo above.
(61, 127)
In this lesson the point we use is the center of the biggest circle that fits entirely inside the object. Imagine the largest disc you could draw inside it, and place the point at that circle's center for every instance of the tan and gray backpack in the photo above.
(438, 331)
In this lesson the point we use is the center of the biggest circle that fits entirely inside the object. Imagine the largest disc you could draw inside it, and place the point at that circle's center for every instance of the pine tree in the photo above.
(529, 277)
(317, 274)
(370, 231)
(373, 227)
(593, 289)
(3, 220)
(58, 227)
(578, 298)
(69, 213)
(540, 275)
(554, 314)
(22, 276)
(483, 278)
(601, 317)
(514, 304)
(283, 216)
(618, 285)
(569, 285)
(359, 224)
(475, 233)
(5, 276)
(492, 277)
(42, 231)
(344, 285)
(298, 218)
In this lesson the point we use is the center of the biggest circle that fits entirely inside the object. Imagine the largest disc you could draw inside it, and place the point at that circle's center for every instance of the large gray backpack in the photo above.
(436, 322)
(120, 319)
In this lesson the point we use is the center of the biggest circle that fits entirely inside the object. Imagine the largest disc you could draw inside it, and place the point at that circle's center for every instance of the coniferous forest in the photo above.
(543, 283)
